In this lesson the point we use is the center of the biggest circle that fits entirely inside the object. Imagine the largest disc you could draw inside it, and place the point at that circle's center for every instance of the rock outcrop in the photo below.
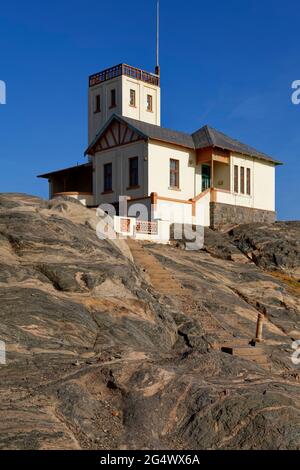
(100, 355)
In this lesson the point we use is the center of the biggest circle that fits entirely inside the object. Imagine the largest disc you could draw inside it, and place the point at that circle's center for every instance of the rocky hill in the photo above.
(115, 345)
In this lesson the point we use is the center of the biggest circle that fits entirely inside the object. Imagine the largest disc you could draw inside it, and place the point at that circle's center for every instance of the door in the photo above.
(206, 177)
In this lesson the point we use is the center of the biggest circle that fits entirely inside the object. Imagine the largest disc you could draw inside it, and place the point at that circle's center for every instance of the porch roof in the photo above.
(210, 137)
(66, 170)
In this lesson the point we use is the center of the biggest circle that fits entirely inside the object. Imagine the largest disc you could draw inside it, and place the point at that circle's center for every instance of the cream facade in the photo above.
(159, 156)
(119, 157)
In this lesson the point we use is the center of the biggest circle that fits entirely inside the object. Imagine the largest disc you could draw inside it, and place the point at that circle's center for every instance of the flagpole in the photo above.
(157, 68)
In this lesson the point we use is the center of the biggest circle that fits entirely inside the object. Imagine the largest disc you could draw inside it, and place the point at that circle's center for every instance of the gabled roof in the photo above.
(161, 133)
(147, 131)
(202, 138)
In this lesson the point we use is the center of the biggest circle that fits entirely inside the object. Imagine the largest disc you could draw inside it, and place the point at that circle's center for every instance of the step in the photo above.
(263, 360)
(160, 276)
(236, 342)
(243, 351)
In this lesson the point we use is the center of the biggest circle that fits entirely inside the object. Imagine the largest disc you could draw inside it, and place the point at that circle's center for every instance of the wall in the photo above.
(159, 170)
(198, 179)
(119, 157)
(97, 120)
(221, 176)
(173, 211)
(222, 215)
(202, 210)
(264, 186)
(140, 112)
(141, 208)
(262, 183)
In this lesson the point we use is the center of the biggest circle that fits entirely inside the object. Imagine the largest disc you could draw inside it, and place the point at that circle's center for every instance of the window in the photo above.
(248, 181)
(242, 180)
(206, 177)
(133, 172)
(149, 103)
(174, 173)
(97, 104)
(236, 179)
(113, 102)
(132, 98)
(107, 177)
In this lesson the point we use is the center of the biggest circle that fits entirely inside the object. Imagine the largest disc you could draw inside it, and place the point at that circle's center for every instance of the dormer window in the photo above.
(113, 102)
(150, 103)
(97, 104)
(132, 98)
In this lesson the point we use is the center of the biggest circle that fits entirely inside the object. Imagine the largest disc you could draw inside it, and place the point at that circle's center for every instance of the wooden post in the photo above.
(153, 200)
(259, 328)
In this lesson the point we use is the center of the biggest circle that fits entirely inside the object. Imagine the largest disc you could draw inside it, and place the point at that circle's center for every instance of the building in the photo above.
(205, 178)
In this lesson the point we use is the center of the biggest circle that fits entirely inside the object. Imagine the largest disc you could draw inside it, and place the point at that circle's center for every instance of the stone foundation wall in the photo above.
(227, 214)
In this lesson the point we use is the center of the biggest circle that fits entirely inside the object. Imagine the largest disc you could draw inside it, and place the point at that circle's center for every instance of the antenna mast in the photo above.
(157, 68)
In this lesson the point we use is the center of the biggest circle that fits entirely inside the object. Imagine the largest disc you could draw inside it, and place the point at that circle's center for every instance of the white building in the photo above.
(205, 178)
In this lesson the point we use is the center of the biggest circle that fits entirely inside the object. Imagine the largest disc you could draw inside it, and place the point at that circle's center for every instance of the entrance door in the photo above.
(206, 177)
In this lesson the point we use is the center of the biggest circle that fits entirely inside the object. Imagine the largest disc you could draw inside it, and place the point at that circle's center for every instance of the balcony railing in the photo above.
(123, 69)
(147, 228)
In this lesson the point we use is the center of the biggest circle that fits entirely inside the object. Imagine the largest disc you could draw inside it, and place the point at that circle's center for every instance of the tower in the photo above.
(123, 90)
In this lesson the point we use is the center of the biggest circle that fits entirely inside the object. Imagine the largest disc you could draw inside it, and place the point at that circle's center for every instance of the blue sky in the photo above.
(229, 64)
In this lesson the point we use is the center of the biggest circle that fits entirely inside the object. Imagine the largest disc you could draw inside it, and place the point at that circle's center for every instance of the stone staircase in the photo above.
(210, 325)
(160, 277)
(163, 281)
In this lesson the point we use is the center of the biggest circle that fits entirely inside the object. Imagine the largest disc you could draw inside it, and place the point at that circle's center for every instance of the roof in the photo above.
(202, 138)
(210, 137)
(161, 133)
(77, 167)
(147, 131)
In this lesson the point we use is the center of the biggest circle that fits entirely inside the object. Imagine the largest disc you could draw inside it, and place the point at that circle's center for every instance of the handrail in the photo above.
(201, 195)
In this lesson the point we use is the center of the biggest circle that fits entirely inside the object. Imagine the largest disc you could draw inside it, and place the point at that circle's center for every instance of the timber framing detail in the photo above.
(210, 154)
(115, 135)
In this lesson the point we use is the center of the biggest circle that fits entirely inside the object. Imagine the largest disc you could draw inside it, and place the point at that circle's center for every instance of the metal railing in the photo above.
(124, 69)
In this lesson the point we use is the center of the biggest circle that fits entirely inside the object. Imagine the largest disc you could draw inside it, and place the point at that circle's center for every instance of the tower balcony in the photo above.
(124, 69)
